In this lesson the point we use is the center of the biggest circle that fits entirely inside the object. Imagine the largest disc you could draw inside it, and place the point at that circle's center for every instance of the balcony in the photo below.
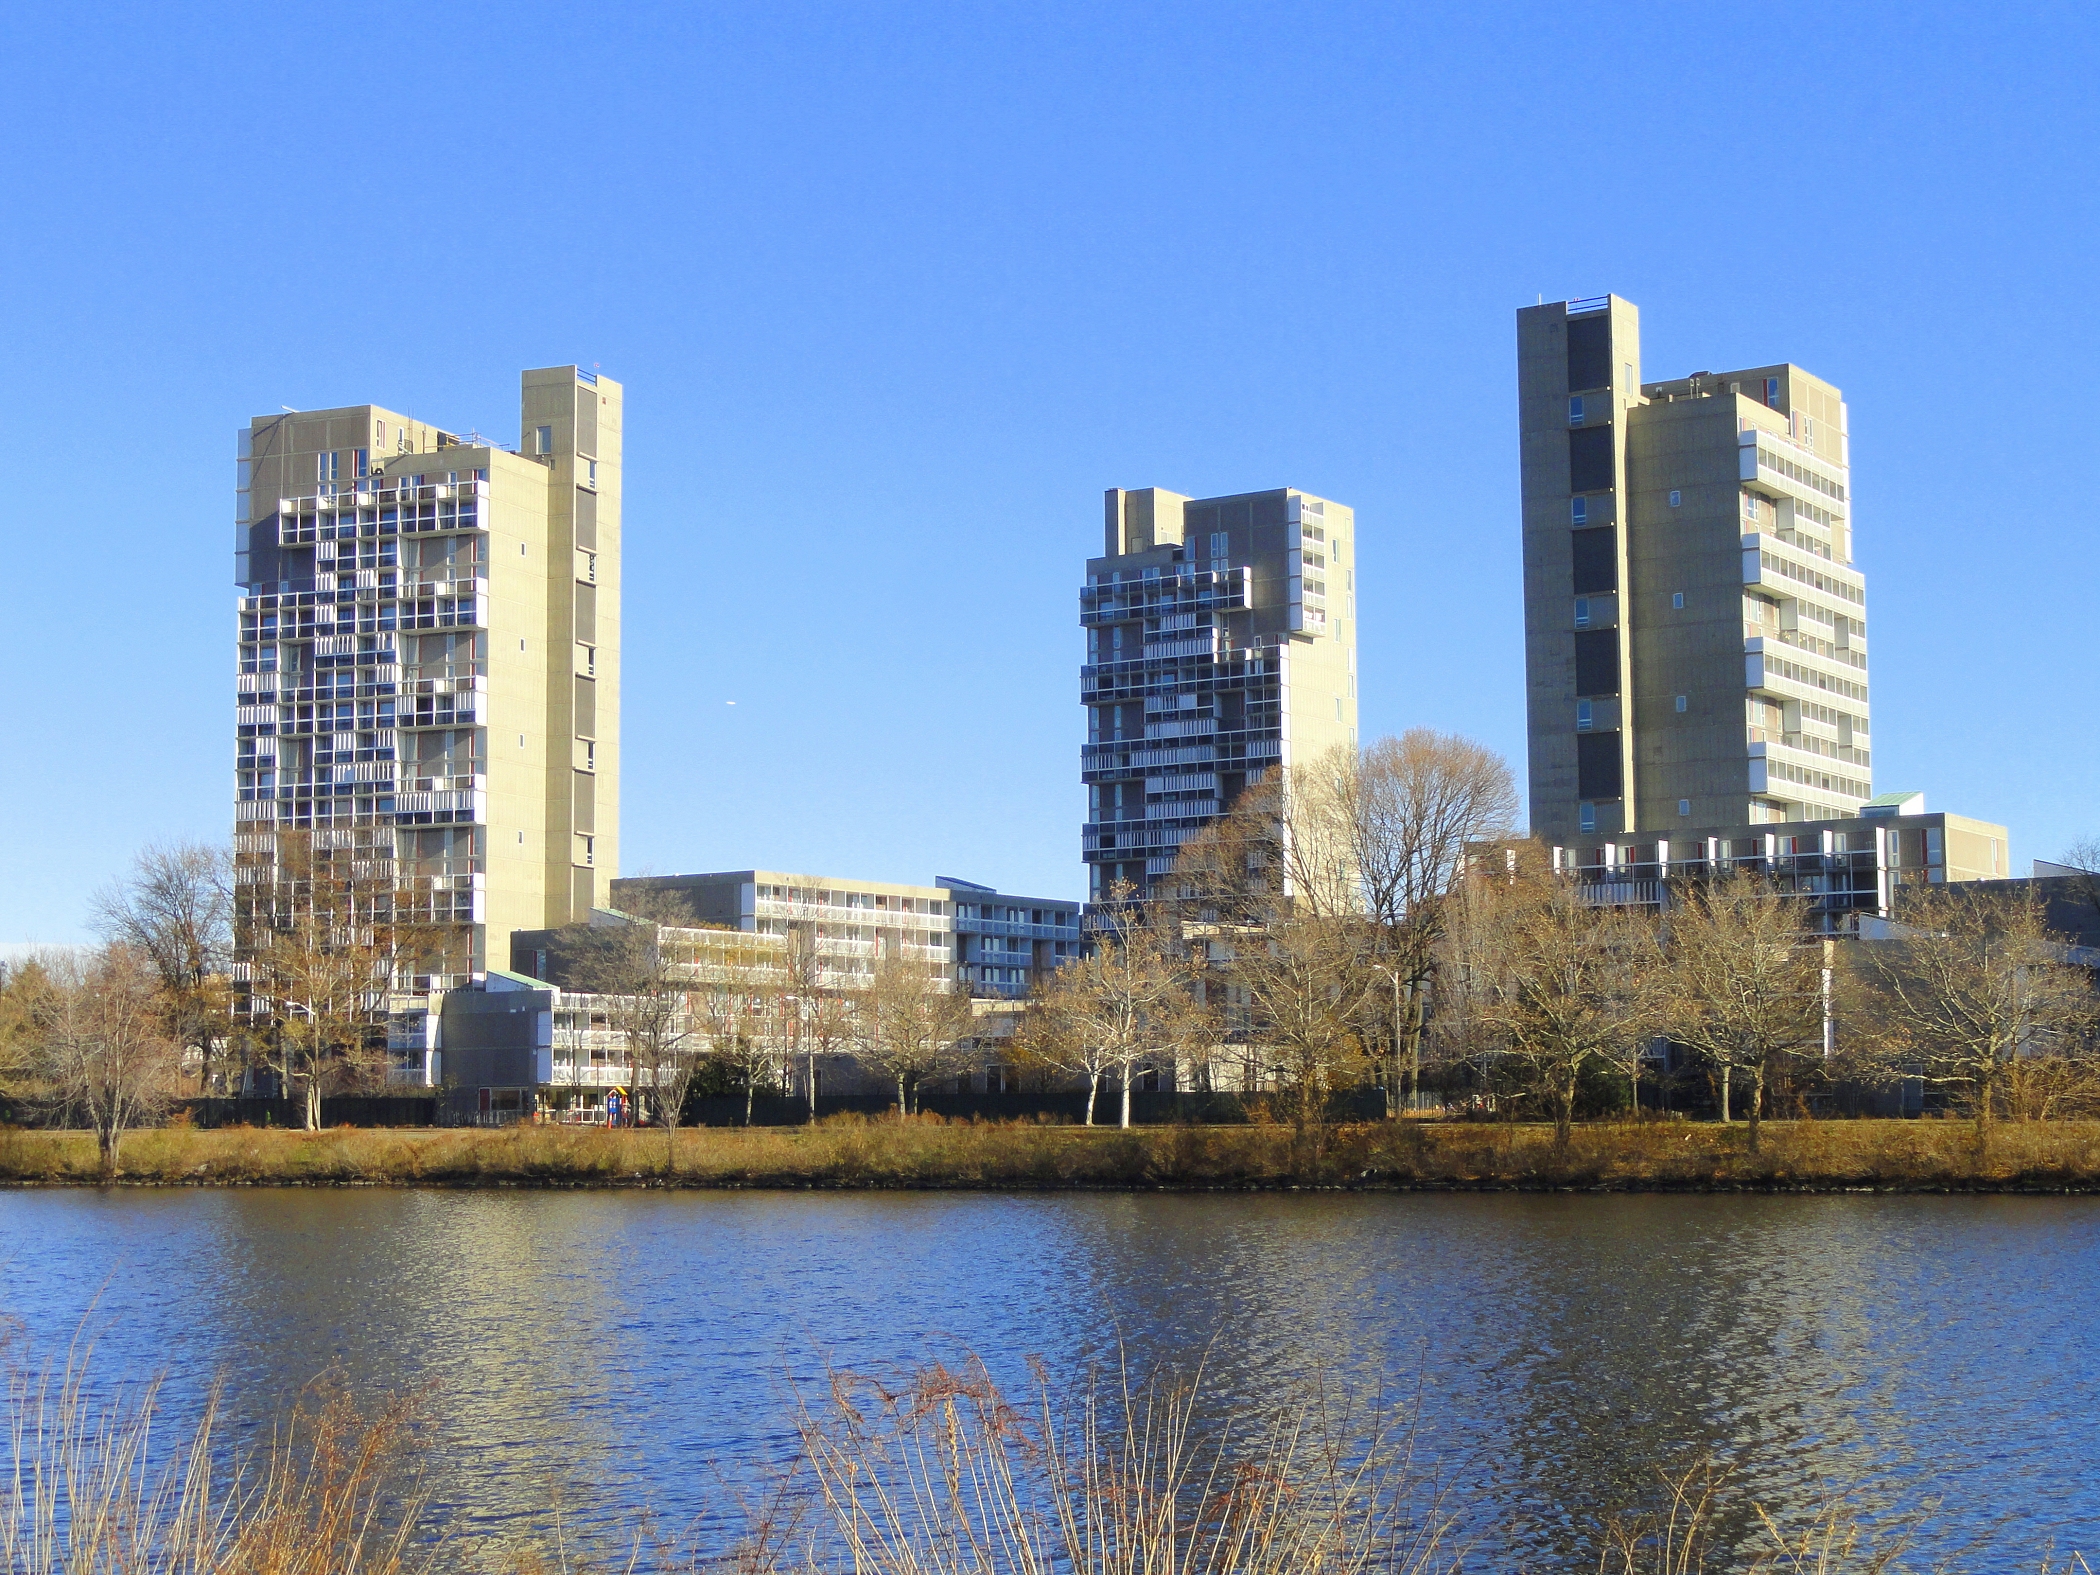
(1792, 674)
(1790, 571)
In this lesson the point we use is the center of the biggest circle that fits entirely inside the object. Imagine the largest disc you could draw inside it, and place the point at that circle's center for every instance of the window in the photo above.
(1683, 702)
(543, 440)
(1585, 716)
(1579, 511)
(1575, 412)
(1582, 612)
(1677, 600)
(1772, 392)
(1631, 385)
(1676, 497)
(1220, 544)
(593, 472)
(1587, 819)
(324, 467)
(1684, 806)
(361, 462)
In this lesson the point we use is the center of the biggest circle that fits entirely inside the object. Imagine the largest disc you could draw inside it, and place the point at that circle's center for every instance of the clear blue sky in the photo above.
(896, 291)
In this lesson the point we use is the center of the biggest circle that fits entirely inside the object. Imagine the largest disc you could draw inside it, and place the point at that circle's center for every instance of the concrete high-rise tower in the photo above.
(1221, 643)
(1695, 631)
(429, 668)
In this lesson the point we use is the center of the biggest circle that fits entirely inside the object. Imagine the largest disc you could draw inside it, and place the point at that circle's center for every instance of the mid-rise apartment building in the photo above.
(1221, 644)
(428, 663)
(1004, 944)
(849, 925)
(1695, 626)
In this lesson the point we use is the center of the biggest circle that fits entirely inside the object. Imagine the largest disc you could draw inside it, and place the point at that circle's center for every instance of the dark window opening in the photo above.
(1596, 663)
(1597, 766)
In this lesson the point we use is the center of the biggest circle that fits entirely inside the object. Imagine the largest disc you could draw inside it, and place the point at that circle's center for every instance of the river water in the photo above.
(638, 1350)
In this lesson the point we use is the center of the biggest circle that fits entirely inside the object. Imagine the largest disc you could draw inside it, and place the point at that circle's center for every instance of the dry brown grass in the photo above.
(930, 1153)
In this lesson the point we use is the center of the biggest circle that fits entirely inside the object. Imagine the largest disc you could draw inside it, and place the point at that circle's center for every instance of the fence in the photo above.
(348, 1110)
(1146, 1109)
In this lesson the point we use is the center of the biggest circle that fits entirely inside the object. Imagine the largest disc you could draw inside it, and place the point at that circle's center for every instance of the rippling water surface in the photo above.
(638, 1349)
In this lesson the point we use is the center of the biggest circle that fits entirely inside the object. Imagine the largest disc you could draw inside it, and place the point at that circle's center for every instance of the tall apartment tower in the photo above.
(1694, 628)
(1221, 642)
(429, 667)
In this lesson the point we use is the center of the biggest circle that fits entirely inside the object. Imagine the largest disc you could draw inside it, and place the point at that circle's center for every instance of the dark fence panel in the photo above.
(1146, 1109)
(351, 1110)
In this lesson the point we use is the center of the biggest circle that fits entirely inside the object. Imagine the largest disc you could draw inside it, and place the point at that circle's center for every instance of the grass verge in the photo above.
(848, 1151)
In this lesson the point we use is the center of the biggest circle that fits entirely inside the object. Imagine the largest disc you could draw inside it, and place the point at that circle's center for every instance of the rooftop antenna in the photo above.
(288, 408)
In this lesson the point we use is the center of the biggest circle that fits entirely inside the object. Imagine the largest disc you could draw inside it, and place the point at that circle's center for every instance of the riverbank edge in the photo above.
(2078, 1189)
(1938, 1157)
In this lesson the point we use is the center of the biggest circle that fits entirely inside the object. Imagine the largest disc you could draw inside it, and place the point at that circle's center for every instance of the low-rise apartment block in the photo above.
(1004, 944)
(847, 924)
(1838, 870)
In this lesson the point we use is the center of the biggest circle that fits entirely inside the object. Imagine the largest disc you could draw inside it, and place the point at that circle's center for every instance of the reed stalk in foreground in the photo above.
(91, 1491)
(942, 1476)
(936, 1473)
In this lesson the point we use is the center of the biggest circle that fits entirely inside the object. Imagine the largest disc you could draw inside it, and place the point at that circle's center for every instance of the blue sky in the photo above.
(896, 291)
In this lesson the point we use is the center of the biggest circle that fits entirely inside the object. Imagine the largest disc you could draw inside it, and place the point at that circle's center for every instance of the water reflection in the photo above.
(620, 1349)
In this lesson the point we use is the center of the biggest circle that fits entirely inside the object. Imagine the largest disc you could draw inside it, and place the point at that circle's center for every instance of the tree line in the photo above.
(1373, 920)
(1368, 921)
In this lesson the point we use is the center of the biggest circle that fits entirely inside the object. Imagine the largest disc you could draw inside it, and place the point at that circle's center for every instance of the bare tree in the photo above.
(743, 1013)
(2082, 858)
(104, 1056)
(1968, 984)
(1745, 984)
(1415, 804)
(1124, 1006)
(324, 947)
(1379, 836)
(1055, 1032)
(1304, 985)
(816, 1021)
(908, 1020)
(641, 964)
(26, 987)
(175, 909)
(1537, 983)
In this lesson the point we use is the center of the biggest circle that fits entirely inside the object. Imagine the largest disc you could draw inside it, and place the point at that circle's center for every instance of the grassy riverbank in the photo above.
(928, 1153)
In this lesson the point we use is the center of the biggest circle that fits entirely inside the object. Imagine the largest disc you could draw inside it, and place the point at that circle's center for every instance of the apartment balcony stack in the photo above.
(428, 669)
(1220, 646)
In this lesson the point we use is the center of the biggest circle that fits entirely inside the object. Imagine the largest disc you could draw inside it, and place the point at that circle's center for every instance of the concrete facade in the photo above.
(1221, 643)
(428, 666)
(850, 924)
(1695, 630)
(1005, 943)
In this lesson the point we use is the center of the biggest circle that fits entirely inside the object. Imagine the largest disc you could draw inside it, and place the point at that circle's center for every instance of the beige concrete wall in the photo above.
(1696, 757)
(582, 775)
(1320, 698)
(1543, 393)
(522, 884)
(1976, 849)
